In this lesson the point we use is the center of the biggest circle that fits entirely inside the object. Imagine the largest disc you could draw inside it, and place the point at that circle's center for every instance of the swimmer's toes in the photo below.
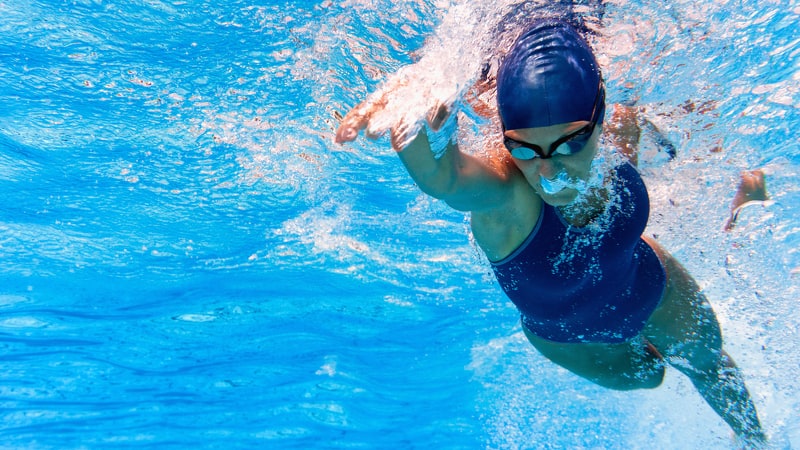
(666, 146)
(670, 149)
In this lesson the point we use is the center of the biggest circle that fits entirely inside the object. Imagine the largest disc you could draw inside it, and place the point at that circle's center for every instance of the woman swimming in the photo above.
(561, 221)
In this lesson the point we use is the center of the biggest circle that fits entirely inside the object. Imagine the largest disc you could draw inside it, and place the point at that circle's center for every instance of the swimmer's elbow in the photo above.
(452, 191)
(439, 185)
(435, 178)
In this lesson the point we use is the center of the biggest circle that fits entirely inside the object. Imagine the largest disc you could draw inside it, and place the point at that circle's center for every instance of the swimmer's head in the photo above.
(550, 76)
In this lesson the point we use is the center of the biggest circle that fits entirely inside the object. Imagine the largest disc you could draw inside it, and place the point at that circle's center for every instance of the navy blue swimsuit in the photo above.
(598, 283)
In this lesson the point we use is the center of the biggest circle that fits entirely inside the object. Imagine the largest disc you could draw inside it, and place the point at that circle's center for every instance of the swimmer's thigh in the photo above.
(621, 366)
(684, 326)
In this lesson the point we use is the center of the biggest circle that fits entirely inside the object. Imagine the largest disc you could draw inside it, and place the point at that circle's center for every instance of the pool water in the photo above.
(188, 260)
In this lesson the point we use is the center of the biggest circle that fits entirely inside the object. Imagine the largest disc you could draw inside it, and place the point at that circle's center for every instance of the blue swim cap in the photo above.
(550, 76)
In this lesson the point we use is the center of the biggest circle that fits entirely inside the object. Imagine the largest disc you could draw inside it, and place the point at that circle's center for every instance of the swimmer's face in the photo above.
(570, 149)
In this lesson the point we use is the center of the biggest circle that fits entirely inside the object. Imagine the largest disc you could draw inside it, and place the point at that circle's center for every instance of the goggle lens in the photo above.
(567, 145)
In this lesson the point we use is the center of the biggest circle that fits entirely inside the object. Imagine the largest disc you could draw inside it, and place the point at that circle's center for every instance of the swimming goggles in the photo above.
(566, 145)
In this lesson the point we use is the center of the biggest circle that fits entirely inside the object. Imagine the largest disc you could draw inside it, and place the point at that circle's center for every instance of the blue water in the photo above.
(189, 261)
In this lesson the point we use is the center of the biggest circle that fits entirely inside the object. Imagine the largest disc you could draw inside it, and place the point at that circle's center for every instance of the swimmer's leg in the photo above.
(625, 366)
(623, 131)
(686, 331)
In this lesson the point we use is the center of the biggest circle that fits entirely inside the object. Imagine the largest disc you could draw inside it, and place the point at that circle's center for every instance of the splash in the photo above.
(597, 174)
(442, 75)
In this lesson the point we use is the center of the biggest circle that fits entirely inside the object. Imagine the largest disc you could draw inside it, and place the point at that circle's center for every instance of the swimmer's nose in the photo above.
(548, 169)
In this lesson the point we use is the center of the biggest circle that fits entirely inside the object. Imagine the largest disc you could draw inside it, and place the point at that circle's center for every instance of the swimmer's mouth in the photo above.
(552, 186)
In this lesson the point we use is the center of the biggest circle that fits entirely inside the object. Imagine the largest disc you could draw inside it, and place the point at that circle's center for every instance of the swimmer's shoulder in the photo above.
(502, 229)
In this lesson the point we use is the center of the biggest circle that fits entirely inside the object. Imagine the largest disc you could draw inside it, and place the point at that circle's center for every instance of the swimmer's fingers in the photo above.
(355, 121)
(438, 116)
(477, 100)
(406, 131)
(372, 131)
(402, 134)
(359, 118)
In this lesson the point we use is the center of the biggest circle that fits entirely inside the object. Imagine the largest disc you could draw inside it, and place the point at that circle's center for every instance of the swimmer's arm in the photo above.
(463, 181)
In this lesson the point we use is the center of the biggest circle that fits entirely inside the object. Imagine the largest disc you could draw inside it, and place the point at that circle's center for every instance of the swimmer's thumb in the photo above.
(345, 134)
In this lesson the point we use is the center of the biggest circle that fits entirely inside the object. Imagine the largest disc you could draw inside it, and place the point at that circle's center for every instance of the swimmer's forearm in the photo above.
(434, 176)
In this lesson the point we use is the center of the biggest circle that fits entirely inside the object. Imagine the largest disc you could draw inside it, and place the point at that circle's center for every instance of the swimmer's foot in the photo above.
(754, 441)
(651, 349)
(752, 190)
(664, 144)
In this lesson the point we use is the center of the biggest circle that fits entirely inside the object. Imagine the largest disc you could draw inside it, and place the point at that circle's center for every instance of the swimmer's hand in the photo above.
(358, 119)
(405, 130)
(364, 116)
